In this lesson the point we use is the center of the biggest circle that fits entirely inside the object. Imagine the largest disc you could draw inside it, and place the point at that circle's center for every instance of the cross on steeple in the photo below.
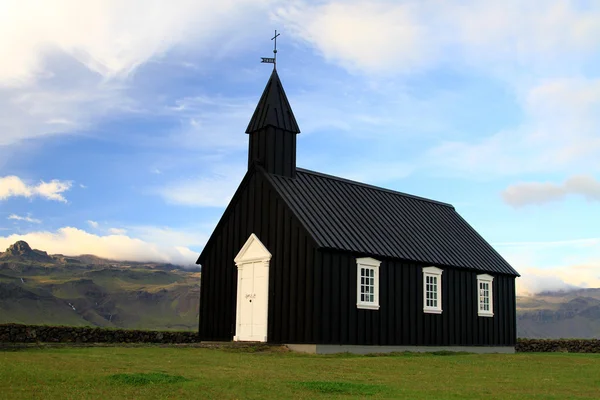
(274, 59)
(274, 38)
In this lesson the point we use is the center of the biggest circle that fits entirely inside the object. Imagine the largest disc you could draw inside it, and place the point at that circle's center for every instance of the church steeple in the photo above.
(273, 130)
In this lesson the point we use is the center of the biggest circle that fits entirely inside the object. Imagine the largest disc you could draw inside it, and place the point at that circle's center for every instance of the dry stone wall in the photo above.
(558, 345)
(16, 333)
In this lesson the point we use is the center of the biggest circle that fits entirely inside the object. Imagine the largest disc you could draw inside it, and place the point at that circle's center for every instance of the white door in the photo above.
(253, 302)
(253, 292)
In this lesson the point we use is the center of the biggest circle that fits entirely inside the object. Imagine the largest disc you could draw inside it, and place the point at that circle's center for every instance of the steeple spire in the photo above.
(273, 109)
(272, 131)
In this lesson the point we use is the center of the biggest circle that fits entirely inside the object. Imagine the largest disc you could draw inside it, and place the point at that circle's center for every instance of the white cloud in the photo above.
(13, 186)
(33, 111)
(523, 194)
(210, 190)
(392, 36)
(559, 134)
(93, 224)
(375, 36)
(209, 122)
(66, 63)
(72, 241)
(171, 237)
(554, 265)
(27, 219)
(540, 49)
(109, 37)
(116, 231)
(537, 280)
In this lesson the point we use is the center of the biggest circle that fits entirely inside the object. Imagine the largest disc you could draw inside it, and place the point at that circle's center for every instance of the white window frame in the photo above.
(369, 264)
(435, 273)
(481, 311)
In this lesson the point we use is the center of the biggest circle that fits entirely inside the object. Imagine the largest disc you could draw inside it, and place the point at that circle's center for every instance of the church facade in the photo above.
(327, 264)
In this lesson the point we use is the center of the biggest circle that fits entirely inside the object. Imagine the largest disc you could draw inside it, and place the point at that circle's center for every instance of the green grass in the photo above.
(186, 372)
(354, 389)
(152, 378)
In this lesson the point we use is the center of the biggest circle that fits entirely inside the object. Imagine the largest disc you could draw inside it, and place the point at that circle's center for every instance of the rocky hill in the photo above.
(555, 315)
(20, 251)
(37, 288)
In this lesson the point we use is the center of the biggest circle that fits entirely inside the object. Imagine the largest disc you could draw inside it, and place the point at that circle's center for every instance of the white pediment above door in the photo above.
(253, 250)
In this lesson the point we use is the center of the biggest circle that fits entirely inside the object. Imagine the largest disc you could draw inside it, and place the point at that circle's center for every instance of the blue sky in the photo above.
(122, 122)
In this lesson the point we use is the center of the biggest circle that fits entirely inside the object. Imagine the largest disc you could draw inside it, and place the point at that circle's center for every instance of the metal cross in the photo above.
(274, 38)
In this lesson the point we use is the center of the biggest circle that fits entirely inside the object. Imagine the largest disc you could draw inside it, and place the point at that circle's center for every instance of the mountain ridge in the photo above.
(20, 251)
(88, 290)
(37, 288)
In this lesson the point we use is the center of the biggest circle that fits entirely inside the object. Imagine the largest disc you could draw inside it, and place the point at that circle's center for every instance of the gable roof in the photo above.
(273, 109)
(351, 216)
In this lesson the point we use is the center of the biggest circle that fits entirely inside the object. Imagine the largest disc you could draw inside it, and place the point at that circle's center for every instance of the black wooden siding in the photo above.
(312, 292)
(275, 150)
(400, 319)
(256, 208)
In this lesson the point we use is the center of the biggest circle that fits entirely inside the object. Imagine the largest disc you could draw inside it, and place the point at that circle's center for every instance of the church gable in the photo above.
(255, 208)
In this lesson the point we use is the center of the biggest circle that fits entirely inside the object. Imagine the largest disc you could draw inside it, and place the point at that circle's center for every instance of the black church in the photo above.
(325, 264)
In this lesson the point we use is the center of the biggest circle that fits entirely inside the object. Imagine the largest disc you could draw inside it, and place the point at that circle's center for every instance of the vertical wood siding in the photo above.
(259, 210)
(275, 150)
(400, 319)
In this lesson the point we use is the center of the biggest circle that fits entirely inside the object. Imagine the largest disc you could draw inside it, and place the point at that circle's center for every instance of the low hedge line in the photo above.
(16, 333)
(558, 345)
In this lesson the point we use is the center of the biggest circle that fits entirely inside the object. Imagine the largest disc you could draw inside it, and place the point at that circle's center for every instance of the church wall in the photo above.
(400, 319)
(258, 209)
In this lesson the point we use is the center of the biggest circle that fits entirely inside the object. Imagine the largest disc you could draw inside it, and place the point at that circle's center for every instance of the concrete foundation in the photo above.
(333, 349)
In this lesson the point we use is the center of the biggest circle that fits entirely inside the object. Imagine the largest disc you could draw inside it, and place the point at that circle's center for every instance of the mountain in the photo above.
(20, 251)
(564, 314)
(37, 288)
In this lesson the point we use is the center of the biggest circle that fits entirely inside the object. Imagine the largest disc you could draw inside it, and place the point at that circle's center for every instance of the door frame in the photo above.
(253, 251)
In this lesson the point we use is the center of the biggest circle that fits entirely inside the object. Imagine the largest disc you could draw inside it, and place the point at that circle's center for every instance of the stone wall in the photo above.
(16, 333)
(558, 345)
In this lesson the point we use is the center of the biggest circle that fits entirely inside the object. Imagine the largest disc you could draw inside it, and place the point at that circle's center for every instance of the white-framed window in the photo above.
(485, 295)
(367, 283)
(432, 290)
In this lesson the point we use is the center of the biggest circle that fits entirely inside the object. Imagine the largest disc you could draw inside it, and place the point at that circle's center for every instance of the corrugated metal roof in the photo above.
(351, 216)
(273, 109)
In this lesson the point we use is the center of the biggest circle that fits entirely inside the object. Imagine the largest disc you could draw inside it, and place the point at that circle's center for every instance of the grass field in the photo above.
(188, 372)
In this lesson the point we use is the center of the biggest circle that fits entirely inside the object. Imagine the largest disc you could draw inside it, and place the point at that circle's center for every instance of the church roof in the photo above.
(351, 216)
(273, 109)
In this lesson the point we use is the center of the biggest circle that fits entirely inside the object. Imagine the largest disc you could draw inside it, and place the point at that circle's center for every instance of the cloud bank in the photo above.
(536, 280)
(66, 63)
(72, 242)
(523, 194)
(211, 190)
(554, 265)
(395, 37)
